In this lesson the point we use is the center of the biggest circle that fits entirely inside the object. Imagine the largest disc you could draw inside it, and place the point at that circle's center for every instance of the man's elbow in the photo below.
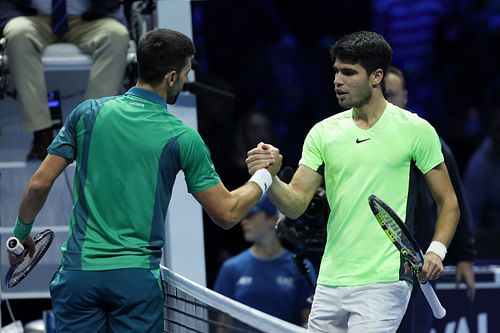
(226, 221)
(38, 187)
(455, 208)
(458, 213)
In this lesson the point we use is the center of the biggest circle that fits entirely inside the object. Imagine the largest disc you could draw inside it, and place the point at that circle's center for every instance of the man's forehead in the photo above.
(343, 64)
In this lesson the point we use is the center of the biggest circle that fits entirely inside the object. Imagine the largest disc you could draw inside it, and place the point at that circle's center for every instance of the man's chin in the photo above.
(345, 106)
(172, 100)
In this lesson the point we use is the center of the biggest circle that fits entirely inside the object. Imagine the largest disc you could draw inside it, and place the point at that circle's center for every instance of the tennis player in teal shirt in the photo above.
(128, 150)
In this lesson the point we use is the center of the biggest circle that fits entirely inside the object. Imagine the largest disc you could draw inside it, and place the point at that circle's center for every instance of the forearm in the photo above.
(447, 221)
(243, 199)
(227, 208)
(33, 199)
(291, 203)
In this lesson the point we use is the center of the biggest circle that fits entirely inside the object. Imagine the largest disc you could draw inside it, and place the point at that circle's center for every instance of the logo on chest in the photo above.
(358, 140)
(284, 281)
(244, 281)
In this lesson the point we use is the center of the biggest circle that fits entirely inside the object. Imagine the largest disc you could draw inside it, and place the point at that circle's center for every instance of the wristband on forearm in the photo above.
(22, 230)
(263, 178)
(438, 248)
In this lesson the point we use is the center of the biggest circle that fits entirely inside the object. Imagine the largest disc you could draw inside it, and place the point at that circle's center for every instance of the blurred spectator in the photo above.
(96, 27)
(482, 180)
(253, 127)
(418, 317)
(411, 28)
(274, 58)
(265, 276)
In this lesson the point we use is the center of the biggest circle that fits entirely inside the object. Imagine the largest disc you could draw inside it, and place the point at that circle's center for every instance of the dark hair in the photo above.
(161, 51)
(367, 48)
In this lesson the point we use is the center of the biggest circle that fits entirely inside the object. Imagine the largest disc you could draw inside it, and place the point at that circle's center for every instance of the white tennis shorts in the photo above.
(373, 308)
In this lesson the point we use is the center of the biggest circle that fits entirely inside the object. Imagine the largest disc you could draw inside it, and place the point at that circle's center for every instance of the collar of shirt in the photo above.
(147, 94)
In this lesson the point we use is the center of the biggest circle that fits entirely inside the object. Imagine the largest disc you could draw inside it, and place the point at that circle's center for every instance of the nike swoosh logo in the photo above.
(363, 140)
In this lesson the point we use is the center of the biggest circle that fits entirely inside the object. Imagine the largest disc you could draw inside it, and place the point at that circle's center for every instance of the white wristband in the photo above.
(263, 178)
(438, 248)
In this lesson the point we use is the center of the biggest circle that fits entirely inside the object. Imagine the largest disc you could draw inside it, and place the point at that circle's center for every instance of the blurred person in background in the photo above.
(253, 126)
(482, 183)
(265, 276)
(97, 28)
(413, 29)
(418, 317)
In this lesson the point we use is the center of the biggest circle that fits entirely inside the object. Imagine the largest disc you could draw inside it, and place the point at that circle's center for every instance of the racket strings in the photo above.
(403, 241)
(23, 268)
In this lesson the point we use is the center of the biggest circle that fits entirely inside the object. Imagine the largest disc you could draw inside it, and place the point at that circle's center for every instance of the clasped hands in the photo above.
(264, 156)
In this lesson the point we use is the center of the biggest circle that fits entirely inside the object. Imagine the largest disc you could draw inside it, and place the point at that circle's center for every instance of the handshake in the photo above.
(264, 156)
(263, 163)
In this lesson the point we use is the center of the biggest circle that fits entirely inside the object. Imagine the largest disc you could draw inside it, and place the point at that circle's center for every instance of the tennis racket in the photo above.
(400, 236)
(17, 273)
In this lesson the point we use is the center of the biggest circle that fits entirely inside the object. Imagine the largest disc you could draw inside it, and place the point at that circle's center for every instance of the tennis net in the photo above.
(190, 307)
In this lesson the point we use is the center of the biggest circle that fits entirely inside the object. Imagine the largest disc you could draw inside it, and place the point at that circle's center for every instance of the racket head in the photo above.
(397, 232)
(18, 272)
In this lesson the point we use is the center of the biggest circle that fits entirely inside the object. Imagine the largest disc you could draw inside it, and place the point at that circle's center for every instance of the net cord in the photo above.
(244, 313)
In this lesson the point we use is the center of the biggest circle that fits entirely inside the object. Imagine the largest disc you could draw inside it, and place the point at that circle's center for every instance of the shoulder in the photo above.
(189, 139)
(240, 259)
(93, 105)
(331, 125)
(406, 118)
(334, 120)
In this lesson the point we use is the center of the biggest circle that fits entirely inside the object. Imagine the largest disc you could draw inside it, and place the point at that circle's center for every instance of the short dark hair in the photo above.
(367, 48)
(161, 51)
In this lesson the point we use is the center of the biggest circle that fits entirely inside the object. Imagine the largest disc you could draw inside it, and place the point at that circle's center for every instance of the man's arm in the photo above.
(36, 191)
(227, 208)
(439, 183)
(291, 199)
(34, 195)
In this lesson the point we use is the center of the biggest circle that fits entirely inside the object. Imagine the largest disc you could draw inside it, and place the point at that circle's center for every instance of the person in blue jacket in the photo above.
(265, 275)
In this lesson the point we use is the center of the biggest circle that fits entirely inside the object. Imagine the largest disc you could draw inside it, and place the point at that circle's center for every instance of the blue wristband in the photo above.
(21, 229)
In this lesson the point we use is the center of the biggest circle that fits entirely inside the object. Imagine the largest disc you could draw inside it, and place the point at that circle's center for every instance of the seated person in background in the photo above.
(482, 179)
(96, 27)
(265, 276)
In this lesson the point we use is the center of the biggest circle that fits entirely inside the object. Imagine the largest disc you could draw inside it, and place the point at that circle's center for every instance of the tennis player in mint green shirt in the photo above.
(367, 149)
(128, 150)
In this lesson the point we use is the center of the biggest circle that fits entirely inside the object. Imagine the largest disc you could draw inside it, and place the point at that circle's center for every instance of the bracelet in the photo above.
(22, 230)
(263, 178)
(438, 248)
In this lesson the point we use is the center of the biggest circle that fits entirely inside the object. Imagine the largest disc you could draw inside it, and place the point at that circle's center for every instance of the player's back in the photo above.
(128, 155)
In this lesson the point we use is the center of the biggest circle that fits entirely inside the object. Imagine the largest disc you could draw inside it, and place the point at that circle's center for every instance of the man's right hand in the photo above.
(264, 156)
(29, 245)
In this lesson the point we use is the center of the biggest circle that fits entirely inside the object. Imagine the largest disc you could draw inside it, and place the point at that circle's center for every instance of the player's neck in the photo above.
(159, 89)
(369, 113)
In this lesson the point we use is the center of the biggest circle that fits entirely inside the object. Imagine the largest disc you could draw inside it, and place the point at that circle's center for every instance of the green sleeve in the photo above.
(196, 163)
(427, 147)
(311, 151)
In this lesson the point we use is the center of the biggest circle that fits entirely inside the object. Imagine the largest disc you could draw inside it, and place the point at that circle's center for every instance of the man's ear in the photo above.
(377, 76)
(171, 78)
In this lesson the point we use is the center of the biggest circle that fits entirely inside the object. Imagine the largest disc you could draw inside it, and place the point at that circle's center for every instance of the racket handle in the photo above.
(429, 293)
(14, 246)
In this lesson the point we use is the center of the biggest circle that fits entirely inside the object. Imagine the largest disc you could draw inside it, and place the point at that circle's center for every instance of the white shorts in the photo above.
(373, 308)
